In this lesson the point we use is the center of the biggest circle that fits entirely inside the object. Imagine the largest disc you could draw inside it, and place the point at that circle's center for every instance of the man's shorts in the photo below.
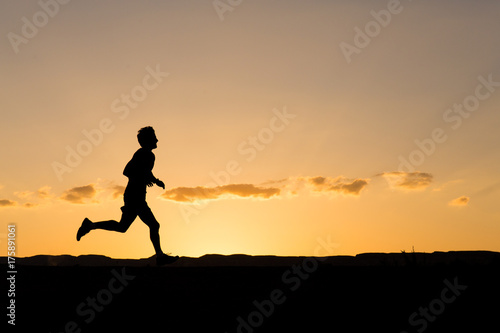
(132, 209)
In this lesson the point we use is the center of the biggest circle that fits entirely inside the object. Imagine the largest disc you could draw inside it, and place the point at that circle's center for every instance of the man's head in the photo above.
(147, 137)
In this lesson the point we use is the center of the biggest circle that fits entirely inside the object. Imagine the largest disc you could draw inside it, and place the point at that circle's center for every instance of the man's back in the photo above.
(138, 170)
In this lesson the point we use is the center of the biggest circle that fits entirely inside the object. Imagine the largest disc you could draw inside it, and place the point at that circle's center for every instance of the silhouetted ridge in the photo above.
(218, 260)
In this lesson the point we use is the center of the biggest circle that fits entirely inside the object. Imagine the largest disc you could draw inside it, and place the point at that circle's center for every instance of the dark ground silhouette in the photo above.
(438, 292)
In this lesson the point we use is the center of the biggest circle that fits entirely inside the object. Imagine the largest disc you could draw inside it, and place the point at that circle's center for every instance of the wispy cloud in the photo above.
(408, 180)
(269, 189)
(99, 191)
(7, 203)
(79, 194)
(103, 190)
(191, 194)
(44, 192)
(41, 193)
(460, 201)
(337, 185)
(117, 191)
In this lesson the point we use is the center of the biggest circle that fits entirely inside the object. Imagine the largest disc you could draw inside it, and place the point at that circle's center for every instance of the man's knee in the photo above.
(122, 227)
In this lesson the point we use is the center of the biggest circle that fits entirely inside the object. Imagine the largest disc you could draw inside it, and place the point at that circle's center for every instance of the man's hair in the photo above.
(144, 134)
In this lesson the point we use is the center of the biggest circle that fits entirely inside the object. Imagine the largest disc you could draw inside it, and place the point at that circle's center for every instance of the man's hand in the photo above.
(160, 184)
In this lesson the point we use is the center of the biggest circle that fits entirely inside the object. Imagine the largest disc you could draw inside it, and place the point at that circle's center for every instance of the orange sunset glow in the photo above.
(281, 125)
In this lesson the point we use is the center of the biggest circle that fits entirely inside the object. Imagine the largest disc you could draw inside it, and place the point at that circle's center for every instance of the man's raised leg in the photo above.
(111, 225)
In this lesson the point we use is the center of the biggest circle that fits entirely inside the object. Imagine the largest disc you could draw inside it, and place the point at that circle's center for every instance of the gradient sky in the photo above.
(271, 134)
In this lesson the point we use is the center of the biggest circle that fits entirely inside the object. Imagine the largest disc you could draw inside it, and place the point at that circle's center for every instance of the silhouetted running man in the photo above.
(139, 173)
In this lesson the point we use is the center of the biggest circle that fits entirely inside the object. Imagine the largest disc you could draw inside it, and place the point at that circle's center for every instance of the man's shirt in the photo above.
(139, 173)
